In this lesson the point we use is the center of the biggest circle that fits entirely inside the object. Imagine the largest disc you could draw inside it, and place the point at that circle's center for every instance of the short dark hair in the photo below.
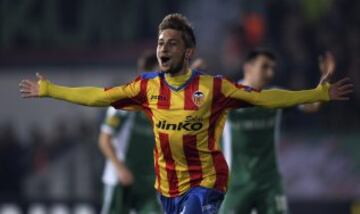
(147, 61)
(260, 52)
(179, 22)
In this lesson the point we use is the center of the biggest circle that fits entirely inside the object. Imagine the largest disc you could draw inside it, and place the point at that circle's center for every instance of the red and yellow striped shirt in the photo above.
(187, 121)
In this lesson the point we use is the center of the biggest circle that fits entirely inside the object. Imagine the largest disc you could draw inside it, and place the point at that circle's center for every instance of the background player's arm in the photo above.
(227, 143)
(277, 98)
(89, 96)
(108, 128)
(105, 143)
(327, 66)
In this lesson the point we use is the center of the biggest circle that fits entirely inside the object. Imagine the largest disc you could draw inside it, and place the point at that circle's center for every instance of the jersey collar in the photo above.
(187, 82)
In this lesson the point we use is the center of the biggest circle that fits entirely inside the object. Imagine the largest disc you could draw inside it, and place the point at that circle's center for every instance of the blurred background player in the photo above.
(129, 175)
(199, 64)
(249, 142)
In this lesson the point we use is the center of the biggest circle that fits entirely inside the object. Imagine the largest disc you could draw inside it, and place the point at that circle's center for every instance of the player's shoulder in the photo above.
(224, 79)
(149, 75)
(220, 77)
(240, 84)
(220, 80)
(207, 76)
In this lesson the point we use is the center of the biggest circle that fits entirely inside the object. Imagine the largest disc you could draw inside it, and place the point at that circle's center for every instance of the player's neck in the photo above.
(183, 71)
(178, 80)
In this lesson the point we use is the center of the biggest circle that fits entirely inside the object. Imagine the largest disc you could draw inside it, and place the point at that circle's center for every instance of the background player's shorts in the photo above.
(114, 200)
(199, 200)
(265, 199)
(118, 199)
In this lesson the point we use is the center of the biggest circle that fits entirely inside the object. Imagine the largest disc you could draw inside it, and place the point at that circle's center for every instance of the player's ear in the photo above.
(189, 53)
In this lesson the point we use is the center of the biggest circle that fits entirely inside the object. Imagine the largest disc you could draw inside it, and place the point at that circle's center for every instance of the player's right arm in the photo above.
(88, 96)
(112, 121)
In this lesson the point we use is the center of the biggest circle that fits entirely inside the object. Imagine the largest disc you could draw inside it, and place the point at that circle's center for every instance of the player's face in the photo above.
(261, 71)
(171, 51)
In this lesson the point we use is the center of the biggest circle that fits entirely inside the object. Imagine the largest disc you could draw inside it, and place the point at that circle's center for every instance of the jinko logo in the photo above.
(189, 124)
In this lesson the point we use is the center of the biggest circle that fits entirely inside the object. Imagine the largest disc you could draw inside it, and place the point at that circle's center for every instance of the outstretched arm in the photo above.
(277, 98)
(89, 96)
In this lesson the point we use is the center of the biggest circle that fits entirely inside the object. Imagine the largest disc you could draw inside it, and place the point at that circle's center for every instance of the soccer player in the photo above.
(128, 177)
(249, 142)
(188, 111)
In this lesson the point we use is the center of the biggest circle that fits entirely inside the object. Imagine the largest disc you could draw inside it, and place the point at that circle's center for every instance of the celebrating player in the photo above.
(128, 177)
(249, 142)
(188, 111)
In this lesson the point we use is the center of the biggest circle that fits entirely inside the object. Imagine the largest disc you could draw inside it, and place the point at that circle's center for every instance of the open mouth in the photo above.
(164, 60)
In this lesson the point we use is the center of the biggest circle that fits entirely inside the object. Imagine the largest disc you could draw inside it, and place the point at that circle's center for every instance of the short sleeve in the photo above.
(112, 120)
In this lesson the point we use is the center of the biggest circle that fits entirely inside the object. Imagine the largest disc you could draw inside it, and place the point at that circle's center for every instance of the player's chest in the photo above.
(188, 99)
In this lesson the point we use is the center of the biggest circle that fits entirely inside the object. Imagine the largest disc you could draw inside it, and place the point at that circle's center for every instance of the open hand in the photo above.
(30, 88)
(341, 89)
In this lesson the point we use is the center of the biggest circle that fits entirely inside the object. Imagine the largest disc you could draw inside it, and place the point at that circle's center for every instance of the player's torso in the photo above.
(186, 130)
(254, 133)
(184, 112)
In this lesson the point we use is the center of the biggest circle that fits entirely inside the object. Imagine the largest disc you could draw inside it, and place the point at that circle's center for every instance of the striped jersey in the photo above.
(187, 120)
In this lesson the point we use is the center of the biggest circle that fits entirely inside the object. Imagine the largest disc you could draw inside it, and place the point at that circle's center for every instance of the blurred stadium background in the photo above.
(49, 160)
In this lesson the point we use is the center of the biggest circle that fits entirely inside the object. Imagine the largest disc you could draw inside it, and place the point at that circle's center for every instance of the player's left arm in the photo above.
(277, 98)
(327, 66)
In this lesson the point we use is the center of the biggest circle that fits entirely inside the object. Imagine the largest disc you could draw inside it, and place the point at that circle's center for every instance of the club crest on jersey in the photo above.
(198, 98)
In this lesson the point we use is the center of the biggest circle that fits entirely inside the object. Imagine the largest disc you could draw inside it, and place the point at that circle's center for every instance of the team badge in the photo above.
(198, 98)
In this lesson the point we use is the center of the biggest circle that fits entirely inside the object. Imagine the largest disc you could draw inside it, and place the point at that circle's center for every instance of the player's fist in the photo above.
(341, 89)
(327, 66)
(31, 88)
(126, 178)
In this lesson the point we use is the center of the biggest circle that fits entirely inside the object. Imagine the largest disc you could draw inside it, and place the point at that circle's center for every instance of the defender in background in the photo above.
(126, 140)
